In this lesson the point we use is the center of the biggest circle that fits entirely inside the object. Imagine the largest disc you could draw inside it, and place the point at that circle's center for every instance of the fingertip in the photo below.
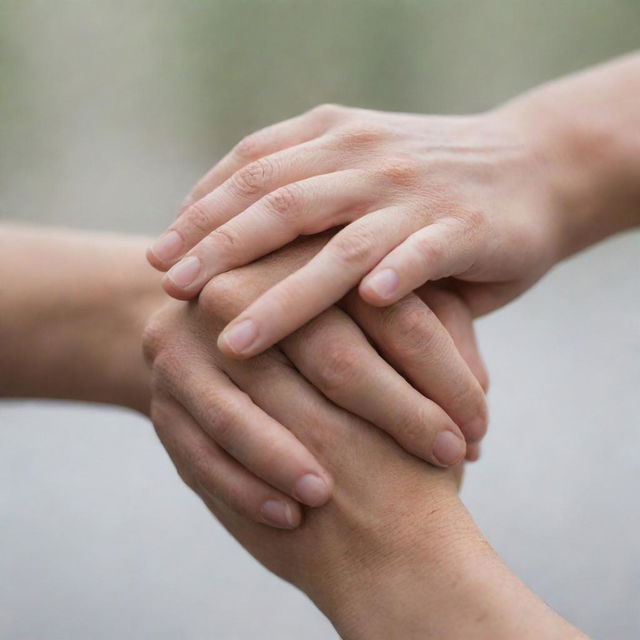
(449, 448)
(238, 339)
(381, 288)
(176, 292)
(280, 514)
(473, 452)
(312, 490)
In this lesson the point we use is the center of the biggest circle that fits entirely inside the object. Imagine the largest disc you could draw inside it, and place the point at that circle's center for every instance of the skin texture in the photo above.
(332, 354)
(73, 330)
(487, 202)
(393, 554)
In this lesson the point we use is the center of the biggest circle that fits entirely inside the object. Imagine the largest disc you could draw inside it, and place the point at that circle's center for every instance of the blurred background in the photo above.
(109, 111)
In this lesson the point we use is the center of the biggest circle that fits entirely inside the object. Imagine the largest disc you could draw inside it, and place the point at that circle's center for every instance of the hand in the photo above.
(393, 553)
(261, 469)
(422, 197)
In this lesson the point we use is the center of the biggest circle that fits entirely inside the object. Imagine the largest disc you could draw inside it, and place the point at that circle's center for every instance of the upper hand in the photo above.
(422, 198)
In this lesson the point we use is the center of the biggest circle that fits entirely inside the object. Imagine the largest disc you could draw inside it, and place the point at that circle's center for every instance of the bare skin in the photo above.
(393, 554)
(489, 201)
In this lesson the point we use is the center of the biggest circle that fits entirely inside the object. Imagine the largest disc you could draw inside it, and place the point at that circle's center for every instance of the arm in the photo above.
(491, 201)
(72, 311)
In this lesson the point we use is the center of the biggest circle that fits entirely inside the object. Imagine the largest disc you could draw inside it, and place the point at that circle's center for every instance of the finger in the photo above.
(248, 434)
(211, 472)
(242, 189)
(414, 341)
(353, 375)
(456, 316)
(473, 452)
(436, 251)
(322, 281)
(306, 207)
(263, 142)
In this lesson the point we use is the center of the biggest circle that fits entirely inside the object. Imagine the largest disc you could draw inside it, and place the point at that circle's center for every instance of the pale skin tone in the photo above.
(490, 202)
(395, 555)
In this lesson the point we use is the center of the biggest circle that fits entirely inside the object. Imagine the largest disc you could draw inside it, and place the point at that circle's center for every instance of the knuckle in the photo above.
(401, 173)
(361, 136)
(416, 429)
(252, 179)
(224, 239)
(166, 368)
(338, 368)
(153, 340)
(284, 202)
(198, 218)
(220, 414)
(429, 250)
(413, 328)
(200, 472)
(354, 248)
(248, 148)
(327, 112)
(472, 218)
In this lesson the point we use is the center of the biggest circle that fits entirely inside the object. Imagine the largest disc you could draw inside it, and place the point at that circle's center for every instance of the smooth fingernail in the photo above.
(384, 283)
(168, 246)
(312, 490)
(448, 448)
(185, 272)
(239, 337)
(278, 514)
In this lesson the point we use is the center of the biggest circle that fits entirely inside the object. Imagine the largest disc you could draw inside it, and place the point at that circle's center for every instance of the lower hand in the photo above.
(261, 469)
(422, 198)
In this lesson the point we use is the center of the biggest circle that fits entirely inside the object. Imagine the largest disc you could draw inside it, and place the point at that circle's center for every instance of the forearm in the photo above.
(72, 311)
(440, 579)
(586, 128)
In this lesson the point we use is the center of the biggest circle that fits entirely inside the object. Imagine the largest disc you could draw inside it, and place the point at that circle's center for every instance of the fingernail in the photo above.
(312, 490)
(240, 336)
(168, 246)
(185, 272)
(448, 448)
(384, 283)
(278, 514)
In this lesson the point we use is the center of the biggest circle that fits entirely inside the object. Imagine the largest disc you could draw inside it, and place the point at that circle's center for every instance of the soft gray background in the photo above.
(108, 111)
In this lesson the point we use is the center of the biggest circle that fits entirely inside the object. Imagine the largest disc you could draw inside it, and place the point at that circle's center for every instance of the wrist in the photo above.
(587, 146)
(438, 578)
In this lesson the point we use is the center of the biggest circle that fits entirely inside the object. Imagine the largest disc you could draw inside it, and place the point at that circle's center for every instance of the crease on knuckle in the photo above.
(400, 173)
(428, 250)
(221, 414)
(284, 203)
(223, 240)
(252, 179)
(338, 368)
(415, 430)
(197, 217)
(361, 136)
(354, 248)
(412, 328)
